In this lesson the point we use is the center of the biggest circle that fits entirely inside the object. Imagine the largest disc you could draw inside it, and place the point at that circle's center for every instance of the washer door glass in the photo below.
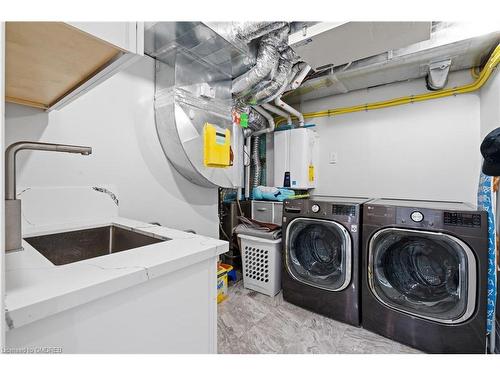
(318, 253)
(427, 274)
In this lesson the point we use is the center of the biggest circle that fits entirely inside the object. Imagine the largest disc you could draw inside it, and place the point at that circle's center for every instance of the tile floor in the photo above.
(250, 322)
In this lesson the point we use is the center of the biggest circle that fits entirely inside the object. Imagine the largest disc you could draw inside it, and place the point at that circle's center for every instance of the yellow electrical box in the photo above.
(217, 146)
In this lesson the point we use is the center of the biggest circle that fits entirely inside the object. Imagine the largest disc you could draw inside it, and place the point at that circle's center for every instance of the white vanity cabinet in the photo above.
(157, 298)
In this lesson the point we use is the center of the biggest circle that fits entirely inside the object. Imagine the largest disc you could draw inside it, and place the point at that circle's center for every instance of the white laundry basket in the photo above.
(261, 259)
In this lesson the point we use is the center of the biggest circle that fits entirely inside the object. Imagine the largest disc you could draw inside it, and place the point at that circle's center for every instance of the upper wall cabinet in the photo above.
(49, 64)
(120, 34)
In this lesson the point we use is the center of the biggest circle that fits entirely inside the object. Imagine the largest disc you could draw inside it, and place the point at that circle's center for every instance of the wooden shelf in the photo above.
(45, 61)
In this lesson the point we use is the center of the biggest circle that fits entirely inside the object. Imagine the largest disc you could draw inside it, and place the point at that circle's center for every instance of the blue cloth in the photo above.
(272, 193)
(485, 198)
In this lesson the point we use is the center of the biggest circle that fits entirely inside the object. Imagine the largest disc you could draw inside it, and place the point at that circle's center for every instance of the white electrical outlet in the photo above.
(333, 158)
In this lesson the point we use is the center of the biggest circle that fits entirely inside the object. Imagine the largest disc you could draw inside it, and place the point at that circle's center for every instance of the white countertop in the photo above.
(36, 288)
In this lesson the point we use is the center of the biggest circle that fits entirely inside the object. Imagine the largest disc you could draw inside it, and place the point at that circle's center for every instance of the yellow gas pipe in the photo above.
(476, 85)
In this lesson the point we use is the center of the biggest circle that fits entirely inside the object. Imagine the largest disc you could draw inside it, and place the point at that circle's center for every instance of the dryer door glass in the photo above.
(426, 274)
(318, 253)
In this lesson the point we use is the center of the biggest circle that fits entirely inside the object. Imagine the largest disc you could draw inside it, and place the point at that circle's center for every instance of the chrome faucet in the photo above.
(13, 234)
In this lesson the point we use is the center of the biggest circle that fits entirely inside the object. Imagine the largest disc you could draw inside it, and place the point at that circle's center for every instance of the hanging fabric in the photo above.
(486, 200)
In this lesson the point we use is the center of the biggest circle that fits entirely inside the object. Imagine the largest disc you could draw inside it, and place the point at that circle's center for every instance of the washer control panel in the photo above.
(418, 217)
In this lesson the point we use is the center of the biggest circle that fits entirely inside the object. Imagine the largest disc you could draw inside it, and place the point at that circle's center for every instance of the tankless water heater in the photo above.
(296, 158)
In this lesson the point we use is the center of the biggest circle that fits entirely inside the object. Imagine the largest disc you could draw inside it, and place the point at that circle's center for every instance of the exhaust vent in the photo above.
(438, 75)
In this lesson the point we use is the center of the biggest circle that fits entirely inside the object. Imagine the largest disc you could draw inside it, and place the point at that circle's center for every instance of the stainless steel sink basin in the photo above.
(68, 247)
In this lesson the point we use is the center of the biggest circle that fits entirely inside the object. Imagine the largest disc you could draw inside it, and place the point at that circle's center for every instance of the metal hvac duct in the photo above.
(268, 55)
(407, 63)
(267, 90)
(195, 76)
(194, 69)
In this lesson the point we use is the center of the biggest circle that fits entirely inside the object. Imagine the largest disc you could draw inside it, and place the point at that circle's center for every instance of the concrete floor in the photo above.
(252, 323)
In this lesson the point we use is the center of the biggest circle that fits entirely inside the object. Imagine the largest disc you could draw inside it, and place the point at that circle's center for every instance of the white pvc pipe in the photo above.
(280, 103)
(278, 112)
(300, 77)
(269, 118)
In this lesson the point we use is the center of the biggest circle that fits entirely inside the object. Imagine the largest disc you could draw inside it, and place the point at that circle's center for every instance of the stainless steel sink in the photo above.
(68, 247)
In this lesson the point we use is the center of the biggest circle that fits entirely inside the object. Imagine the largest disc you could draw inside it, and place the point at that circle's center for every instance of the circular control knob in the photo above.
(417, 216)
(315, 208)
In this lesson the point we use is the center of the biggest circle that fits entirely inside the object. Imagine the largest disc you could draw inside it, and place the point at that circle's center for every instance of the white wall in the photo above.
(2, 204)
(490, 104)
(117, 120)
(427, 150)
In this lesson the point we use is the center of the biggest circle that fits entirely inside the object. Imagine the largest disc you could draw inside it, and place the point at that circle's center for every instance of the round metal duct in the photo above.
(190, 93)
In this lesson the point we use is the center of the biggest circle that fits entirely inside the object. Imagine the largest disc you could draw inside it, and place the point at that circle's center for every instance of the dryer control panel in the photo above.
(469, 223)
(344, 210)
(461, 219)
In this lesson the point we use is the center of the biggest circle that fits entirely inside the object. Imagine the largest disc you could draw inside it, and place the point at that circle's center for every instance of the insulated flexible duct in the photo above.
(247, 31)
(269, 118)
(288, 80)
(266, 91)
(267, 59)
(256, 162)
(256, 121)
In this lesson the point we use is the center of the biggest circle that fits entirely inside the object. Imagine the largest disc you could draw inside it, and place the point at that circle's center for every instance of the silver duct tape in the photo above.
(270, 76)
(267, 59)
(240, 106)
(255, 120)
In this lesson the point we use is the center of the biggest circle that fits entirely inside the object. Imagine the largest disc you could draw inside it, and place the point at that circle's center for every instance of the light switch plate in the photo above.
(333, 158)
